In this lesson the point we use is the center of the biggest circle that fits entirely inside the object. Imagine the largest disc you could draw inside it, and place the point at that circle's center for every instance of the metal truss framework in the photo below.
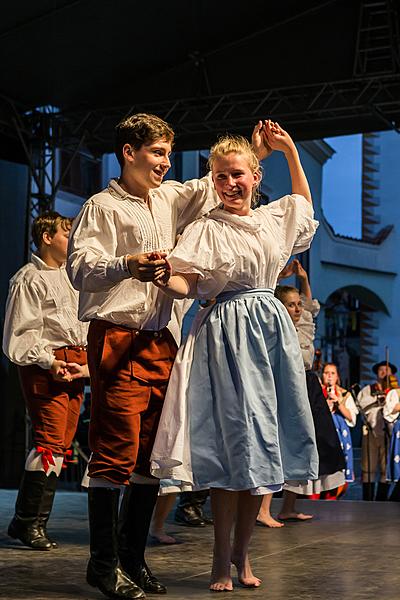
(310, 105)
(40, 135)
(377, 47)
(372, 95)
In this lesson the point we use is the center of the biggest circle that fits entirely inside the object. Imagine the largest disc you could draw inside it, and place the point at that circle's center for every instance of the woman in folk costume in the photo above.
(344, 413)
(302, 310)
(236, 417)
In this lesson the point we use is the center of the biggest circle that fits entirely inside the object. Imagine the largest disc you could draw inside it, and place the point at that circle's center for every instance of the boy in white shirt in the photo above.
(42, 335)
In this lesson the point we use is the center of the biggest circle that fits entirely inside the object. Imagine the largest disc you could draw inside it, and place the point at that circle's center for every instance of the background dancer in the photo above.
(391, 414)
(157, 533)
(232, 374)
(344, 413)
(371, 400)
(42, 335)
(302, 309)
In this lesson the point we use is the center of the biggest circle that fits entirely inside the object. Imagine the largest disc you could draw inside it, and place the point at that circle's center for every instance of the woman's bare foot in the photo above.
(269, 522)
(223, 584)
(245, 574)
(296, 516)
(162, 538)
(221, 580)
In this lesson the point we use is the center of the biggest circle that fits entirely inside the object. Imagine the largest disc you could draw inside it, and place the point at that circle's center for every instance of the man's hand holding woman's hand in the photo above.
(161, 280)
(151, 266)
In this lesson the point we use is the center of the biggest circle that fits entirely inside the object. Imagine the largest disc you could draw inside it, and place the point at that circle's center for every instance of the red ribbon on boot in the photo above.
(47, 457)
(68, 458)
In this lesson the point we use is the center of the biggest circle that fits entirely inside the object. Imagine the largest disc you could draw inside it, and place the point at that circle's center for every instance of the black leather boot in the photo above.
(368, 490)
(47, 505)
(103, 571)
(134, 522)
(189, 510)
(199, 498)
(26, 525)
(382, 491)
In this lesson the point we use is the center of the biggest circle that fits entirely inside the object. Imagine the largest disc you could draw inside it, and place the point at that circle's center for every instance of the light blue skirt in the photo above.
(249, 415)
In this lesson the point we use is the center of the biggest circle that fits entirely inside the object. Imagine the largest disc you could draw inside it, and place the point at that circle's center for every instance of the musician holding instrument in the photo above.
(371, 401)
(391, 414)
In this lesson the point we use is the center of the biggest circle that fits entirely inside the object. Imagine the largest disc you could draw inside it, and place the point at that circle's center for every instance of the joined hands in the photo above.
(293, 268)
(68, 371)
(151, 267)
(269, 136)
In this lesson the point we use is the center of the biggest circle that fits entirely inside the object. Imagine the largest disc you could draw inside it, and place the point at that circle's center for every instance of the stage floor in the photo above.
(350, 551)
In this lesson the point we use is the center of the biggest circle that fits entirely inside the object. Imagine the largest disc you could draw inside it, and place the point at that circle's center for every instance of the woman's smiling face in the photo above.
(234, 182)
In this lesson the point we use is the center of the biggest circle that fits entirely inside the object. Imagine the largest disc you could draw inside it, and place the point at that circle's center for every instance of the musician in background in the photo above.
(391, 414)
(370, 401)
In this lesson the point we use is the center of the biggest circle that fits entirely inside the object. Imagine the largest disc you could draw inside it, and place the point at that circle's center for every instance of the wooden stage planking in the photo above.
(349, 551)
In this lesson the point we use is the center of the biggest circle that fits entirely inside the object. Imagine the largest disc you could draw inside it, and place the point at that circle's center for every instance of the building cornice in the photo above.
(318, 149)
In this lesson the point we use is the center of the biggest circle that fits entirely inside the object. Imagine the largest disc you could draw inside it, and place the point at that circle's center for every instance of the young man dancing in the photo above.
(43, 336)
(131, 342)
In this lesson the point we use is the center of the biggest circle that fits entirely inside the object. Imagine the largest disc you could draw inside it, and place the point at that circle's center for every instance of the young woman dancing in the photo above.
(236, 417)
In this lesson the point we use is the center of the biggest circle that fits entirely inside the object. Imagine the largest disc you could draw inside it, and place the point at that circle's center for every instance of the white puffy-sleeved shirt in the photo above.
(114, 224)
(231, 253)
(351, 407)
(41, 315)
(392, 398)
(306, 329)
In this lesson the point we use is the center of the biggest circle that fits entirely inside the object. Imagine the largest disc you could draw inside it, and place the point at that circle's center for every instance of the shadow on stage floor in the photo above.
(349, 551)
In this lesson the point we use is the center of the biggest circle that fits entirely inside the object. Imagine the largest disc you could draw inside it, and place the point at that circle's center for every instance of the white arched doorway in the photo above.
(349, 331)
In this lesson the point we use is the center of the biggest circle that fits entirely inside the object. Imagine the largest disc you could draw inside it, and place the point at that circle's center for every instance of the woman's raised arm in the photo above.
(279, 139)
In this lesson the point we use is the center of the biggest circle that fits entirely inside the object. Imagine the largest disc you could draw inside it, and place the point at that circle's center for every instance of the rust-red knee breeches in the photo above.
(53, 406)
(129, 371)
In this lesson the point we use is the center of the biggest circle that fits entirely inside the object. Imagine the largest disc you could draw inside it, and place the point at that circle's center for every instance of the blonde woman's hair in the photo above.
(237, 144)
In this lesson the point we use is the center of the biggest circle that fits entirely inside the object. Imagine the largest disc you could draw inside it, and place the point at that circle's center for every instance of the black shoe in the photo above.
(103, 571)
(134, 521)
(115, 584)
(30, 532)
(207, 520)
(145, 579)
(47, 505)
(198, 508)
(382, 491)
(189, 517)
(395, 495)
(27, 524)
(43, 528)
(368, 491)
